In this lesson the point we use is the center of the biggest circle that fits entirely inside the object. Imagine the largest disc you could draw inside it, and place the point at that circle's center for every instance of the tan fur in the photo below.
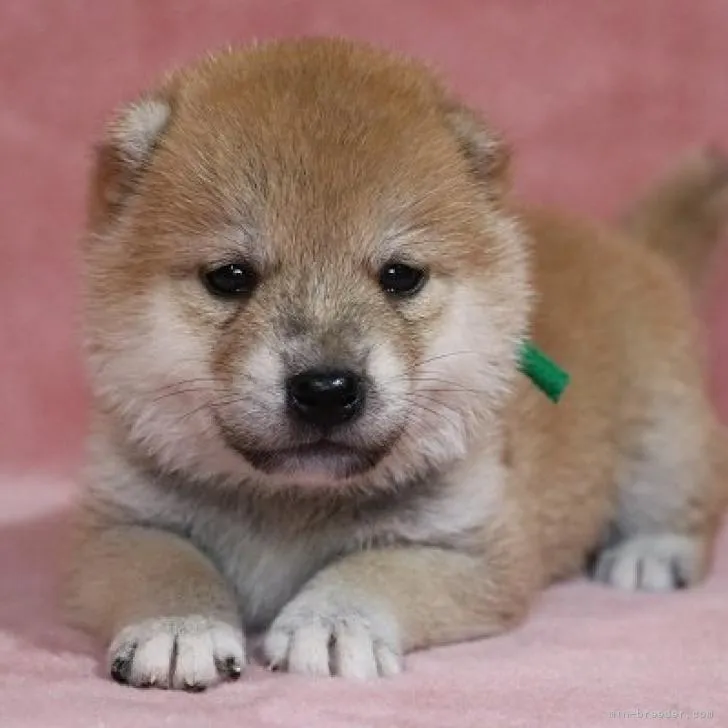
(317, 162)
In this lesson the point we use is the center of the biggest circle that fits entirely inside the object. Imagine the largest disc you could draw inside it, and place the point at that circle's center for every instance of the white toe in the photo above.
(660, 562)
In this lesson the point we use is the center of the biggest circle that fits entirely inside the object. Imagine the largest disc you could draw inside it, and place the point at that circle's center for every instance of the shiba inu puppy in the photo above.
(307, 291)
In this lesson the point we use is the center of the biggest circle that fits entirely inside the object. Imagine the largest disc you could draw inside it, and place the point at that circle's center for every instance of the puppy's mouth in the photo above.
(323, 458)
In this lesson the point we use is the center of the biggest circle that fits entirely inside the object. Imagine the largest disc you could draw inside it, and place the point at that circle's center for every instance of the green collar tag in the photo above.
(548, 376)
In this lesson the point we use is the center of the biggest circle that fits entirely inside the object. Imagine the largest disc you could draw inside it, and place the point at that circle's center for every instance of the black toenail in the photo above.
(678, 580)
(120, 670)
(232, 668)
(590, 563)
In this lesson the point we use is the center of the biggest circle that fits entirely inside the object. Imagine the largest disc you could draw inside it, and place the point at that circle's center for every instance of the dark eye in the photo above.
(231, 281)
(399, 279)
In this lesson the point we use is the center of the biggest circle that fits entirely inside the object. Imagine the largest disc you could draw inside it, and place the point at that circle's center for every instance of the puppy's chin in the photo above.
(322, 463)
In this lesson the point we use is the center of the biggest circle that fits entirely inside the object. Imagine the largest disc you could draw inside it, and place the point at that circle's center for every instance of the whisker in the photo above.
(185, 382)
(250, 407)
(178, 392)
(189, 390)
(438, 406)
(219, 404)
(194, 411)
(449, 387)
(440, 357)
(438, 403)
(435, 413)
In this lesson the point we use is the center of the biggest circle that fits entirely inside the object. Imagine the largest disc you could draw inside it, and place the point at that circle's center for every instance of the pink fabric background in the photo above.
(596, 96)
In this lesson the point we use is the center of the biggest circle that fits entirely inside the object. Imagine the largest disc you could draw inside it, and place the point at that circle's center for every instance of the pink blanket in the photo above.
(596, 97)
(589, 657)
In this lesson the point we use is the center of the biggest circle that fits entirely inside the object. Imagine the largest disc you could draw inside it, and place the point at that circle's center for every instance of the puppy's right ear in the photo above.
(123, 155)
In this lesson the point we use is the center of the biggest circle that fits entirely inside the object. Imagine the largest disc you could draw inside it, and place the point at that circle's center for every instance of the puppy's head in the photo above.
(300, 270)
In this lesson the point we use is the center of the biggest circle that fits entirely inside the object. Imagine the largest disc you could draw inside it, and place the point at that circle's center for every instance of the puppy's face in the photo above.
(300, 272)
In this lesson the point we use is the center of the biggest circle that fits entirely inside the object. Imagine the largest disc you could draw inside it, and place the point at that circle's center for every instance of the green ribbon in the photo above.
(545, 373)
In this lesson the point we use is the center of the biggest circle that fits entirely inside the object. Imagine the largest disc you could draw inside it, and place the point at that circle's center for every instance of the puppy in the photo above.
(307, 291)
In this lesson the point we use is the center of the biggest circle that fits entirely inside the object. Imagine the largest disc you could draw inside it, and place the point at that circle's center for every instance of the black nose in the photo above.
(325, 398)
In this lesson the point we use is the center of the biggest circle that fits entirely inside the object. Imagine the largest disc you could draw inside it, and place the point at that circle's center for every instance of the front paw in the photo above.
(185, 653)
(326, 632)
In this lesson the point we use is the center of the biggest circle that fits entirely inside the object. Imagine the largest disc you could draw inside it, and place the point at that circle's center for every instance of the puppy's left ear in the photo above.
(484, 149)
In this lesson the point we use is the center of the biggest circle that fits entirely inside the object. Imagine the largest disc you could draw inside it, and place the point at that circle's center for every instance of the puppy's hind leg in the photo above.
(669, 500)
(671, 489)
